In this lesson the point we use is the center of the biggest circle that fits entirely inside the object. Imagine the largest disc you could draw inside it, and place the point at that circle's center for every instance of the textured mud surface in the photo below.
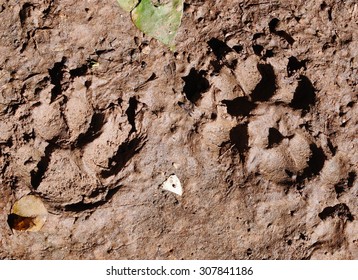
(255, 112)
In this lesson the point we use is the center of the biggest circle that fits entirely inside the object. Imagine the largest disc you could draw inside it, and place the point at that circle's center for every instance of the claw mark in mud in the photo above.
(37, 175)
(25, 12)
(131, 111)
(258, 49)
(79, 71)
(240, 106)
(239, 137)
(56, 76)
(294, 65)
(267, 86)
(47, 11)
(304, 95)
(340, 210)
(346, 184)
(274, 137)
(220, 49)
(283, 34)
(195, 85)
(315, 163)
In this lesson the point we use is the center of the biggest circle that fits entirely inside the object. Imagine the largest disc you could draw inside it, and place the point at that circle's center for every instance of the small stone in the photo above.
(173, 184)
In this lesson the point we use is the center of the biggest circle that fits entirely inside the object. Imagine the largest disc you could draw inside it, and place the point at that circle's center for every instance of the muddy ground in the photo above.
(255, 112)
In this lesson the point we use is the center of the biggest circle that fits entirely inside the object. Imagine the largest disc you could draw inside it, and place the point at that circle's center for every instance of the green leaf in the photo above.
(127, 5)
(160, 20)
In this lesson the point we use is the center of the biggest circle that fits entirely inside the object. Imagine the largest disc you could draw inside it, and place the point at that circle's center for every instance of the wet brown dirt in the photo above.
(255, 112)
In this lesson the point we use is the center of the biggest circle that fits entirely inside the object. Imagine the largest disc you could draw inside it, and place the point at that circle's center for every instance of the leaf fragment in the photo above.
(160, 20)
(127, 5)
(28, 214)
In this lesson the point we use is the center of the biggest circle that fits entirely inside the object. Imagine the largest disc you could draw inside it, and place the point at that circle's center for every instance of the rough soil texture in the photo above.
(255, 112)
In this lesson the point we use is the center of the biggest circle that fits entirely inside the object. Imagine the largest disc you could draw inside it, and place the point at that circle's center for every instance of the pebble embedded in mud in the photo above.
(172, 184)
